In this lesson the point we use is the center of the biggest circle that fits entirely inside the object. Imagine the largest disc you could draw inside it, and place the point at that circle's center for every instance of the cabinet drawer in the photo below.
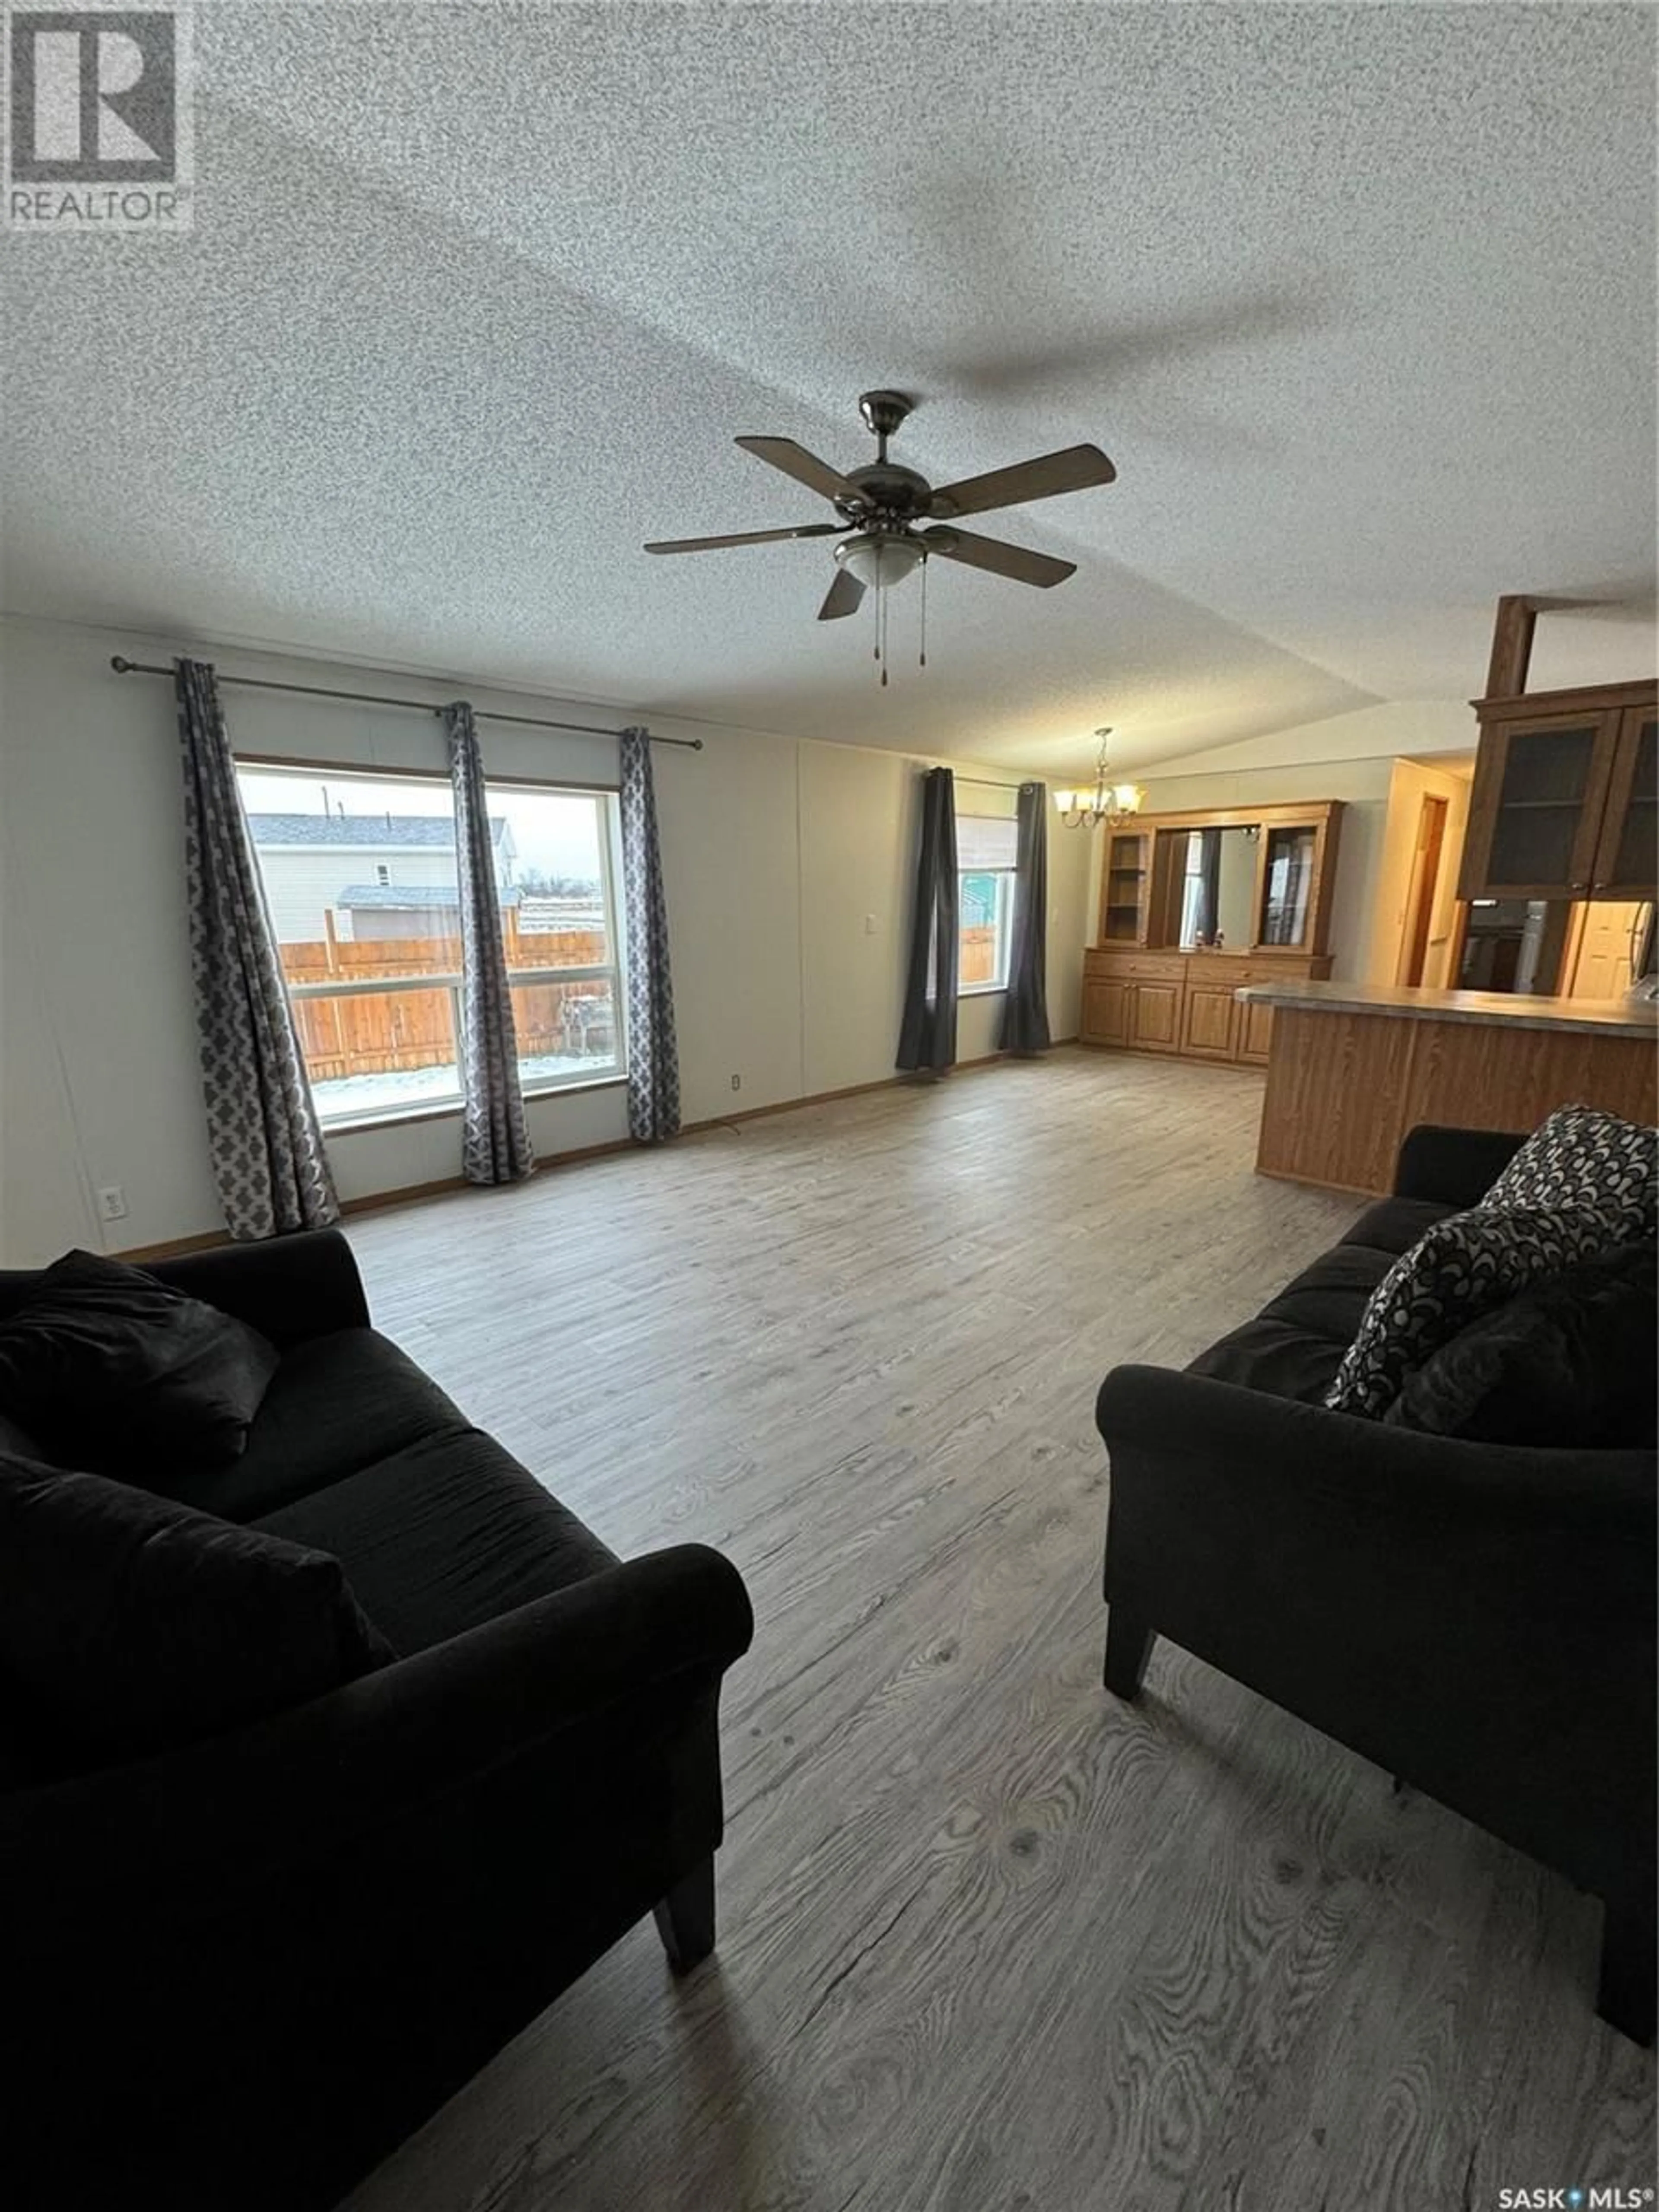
(1135, 967)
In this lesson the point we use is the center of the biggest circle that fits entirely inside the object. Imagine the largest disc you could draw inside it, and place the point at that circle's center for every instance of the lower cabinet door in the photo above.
(1208, 1029)
(1155, 1016)
(1255, 1033)
(1106, 1013)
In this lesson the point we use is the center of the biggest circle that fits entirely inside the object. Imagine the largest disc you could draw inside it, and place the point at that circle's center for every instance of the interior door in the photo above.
(1627, 858)
(1421, 893)
(1609, 944)
(1540, 787)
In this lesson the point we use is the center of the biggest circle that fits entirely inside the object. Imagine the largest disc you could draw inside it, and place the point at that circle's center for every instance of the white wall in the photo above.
(775, 851)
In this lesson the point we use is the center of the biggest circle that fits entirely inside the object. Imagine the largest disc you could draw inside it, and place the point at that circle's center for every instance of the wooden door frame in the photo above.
(1428, 850)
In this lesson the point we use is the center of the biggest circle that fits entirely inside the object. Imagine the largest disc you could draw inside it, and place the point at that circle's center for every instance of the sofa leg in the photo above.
(1625, 1997)
(1128, 1647)
(685, 1918)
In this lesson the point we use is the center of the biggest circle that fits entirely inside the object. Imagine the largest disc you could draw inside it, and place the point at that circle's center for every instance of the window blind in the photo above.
(986, 841)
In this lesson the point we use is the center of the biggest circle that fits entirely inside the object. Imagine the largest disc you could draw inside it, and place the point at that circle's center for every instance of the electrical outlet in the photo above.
(737, 1082)
(112, 1202)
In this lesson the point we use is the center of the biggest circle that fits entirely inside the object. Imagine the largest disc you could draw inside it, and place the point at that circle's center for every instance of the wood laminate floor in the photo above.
(990, 1941)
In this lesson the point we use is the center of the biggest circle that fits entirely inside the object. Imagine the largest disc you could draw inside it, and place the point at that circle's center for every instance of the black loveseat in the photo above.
(1478, 1618)
(237, 1975)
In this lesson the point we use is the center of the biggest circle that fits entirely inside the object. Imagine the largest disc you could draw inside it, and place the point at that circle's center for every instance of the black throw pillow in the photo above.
(131, 1625)
(110, 1366)
(1571, 1361)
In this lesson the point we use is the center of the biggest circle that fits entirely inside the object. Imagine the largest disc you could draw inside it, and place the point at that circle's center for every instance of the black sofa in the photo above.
(238, 1975)
(1478, 1618)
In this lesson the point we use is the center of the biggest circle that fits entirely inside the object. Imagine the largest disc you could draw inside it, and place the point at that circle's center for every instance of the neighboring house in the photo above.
(309, 861)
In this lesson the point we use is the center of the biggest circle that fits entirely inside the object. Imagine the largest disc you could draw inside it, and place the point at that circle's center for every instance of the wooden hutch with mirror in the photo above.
(1194, 905)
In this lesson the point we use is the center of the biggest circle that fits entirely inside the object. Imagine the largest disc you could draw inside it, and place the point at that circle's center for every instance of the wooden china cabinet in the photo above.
(1194, 905)
(1565, 799)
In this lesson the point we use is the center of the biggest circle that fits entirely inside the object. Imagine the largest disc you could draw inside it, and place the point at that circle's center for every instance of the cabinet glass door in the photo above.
(1287, 886)
(1628, 862)
(1546, 816)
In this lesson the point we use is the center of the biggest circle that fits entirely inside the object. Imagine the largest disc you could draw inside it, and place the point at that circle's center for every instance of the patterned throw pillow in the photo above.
(1465, 1266)
(1583, 1157)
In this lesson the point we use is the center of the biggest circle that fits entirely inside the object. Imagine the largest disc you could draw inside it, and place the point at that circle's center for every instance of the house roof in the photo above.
(308, 832)
(394, 897)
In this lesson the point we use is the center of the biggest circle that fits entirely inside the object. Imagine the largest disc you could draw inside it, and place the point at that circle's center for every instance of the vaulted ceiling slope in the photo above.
(1360, 300)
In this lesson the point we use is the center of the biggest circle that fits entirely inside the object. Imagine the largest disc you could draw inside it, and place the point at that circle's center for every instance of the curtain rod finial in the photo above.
(120, 665)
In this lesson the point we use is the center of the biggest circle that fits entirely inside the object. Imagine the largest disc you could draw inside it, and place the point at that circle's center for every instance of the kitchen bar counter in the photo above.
(1353, 1067)
(1396, 1002)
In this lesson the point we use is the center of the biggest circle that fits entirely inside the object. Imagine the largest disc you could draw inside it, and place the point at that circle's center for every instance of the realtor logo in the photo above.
(98, 123)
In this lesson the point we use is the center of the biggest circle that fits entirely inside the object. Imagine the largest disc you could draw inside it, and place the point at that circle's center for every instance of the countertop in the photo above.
(1612, 1016)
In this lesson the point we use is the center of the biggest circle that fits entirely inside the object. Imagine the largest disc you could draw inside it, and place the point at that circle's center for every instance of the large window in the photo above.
(361, 878)
(986, 850)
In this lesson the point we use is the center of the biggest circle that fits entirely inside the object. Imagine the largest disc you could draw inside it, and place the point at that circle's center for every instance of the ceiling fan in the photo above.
(884, 506)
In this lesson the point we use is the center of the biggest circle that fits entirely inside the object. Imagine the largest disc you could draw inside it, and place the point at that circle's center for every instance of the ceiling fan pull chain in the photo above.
(922, 662)
(884, 640)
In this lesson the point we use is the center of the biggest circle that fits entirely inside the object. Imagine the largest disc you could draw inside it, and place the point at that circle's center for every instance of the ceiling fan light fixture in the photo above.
(879, 560)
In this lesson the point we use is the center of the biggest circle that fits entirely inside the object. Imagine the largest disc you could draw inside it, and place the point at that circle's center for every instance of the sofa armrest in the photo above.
(228, 1818)
(287, 1287)
(1477, 1617)
(1454, 1167)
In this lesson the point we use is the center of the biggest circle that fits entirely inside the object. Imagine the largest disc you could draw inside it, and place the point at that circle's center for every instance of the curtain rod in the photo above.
(124, 667)
(985, 783)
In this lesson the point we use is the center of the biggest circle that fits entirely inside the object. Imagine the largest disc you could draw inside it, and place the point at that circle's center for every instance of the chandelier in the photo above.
(1109, 802)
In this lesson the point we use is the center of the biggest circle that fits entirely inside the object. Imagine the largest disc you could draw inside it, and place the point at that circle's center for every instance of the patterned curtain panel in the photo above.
(495, 1142)
(1026, 1008)
(928, 1034)
(654, 1066)
(263, 1134)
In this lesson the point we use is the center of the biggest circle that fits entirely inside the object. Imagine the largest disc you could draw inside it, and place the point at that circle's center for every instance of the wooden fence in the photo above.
(378, 1032)
(977, 961)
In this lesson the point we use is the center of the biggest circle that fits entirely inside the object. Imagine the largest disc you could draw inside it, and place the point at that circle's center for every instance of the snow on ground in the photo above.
(348, 1097)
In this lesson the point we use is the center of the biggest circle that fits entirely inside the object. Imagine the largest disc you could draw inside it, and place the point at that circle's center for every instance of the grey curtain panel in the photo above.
(654, 1066)
(495, 1142)
(928, 1034)
(263, 1134)
(1025, 1006)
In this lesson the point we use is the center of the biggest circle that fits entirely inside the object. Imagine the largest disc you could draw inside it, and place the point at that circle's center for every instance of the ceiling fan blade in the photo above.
(743, 537)
(999, 558)
(844, 597)
(1072, 470)
(806, 468)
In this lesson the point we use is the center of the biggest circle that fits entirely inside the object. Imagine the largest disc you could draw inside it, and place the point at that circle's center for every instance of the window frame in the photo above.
(1007, 878)
(440, 1106)
(1007, 881)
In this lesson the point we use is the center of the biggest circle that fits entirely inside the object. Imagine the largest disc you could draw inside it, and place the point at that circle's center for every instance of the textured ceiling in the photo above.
(1360, 300)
